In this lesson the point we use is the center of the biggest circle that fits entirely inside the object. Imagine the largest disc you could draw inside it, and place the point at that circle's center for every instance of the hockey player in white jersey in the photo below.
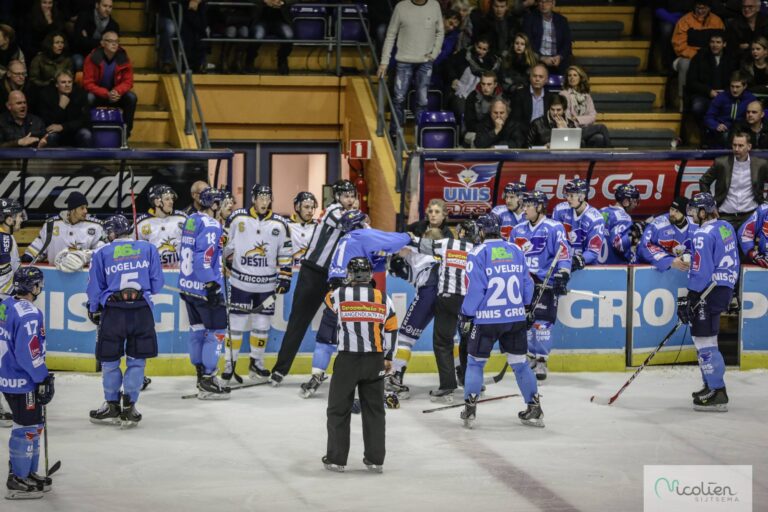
(259, 245)
(301, 224)
(69, 239)
(161, 225)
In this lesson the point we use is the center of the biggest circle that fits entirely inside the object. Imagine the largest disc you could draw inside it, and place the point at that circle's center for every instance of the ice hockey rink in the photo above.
(261, 450)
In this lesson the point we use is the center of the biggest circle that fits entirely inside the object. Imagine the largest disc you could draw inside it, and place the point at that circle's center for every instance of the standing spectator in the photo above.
(745, 28)
(499, 25)
(273, 18)
(417, 27)
(739, 181)
(52, 59)
(15, 80)
(666, 14)
(540, 133)
(757, 67)
(550, 36)
(19, 128)
(708, 75)
(692, 32)
(197, 188)
(528, 103)
(64, 109)
(9, 50)
(166, 30)
(498, 128)
(581, 109)
(478, 105)
(436, 217)
(754, 126)
(43, 19)
(108, 78)
(727, 109)
(194, 22)
(451, 20)
(517, 64)
(90, 26)
(465, 9)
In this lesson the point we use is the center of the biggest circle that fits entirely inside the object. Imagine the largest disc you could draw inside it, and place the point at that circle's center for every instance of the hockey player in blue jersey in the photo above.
(621, 234)
(123, 276)
(511, 213)
(715, 262)
(666, 241)
(584, 225)
(25, 382)
(372, 244)
(753, 237)
(543, 242)
(200, 282)
(494, 309)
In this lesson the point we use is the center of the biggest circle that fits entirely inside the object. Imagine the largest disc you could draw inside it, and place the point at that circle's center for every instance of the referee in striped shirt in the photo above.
(367, 333)
(312, 284)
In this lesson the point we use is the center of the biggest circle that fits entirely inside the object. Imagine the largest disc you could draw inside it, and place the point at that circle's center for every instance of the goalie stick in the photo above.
(461, 404)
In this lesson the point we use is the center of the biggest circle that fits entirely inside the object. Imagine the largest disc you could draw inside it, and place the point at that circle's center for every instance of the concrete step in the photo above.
(619, 84)
(625, 48)
(150, 125)
(596, 30)
(624, 101)
(642, 138)
(130, 16)
(593, 13)
(140, 49)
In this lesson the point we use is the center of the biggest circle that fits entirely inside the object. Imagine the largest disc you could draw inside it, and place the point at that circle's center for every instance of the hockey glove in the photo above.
(560, 283)
(398, 267)
(529, 319)
(335, 282)
(758, 259)
(213, 294)
(44, 391)
(465, 324)
(636, 232)
(577, 263)
(71, 261)
(283, 281)
(682, 310)
(94, 316)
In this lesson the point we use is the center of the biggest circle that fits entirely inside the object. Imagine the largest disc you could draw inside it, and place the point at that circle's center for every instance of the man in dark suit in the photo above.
(550, 36)
(739, 181)
(527, 104)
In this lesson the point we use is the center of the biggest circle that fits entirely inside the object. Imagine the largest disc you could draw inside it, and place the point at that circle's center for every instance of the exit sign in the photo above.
(360, 149)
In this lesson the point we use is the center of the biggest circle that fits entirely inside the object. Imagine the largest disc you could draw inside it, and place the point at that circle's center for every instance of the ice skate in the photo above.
(309, 388)
(394, 384)
(391, 401)
(276, 378)
(541, 368)
(107, 414)
(210, 388)
(444, 396)
(129, 416)
(470, 410)
(373, 468)
(256, 373)
(703, 391)
(22, 488)
(6, 418)
(330, 466)
(200, 370)
(146, 383)
(533, 416)
(715, 400)
(44, 483)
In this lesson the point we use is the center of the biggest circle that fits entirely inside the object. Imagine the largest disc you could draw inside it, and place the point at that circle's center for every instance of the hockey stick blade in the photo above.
(495, 379)
(601, 400)
(56, 466)
(232, 388)
(461, 404)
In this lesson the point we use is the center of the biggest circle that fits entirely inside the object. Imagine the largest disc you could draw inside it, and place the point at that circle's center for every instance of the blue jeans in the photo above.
(167, 30)
(404, 74)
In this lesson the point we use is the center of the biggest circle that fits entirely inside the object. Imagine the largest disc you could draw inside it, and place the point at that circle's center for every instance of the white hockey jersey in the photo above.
(421, 267)
(165, 234)
(86, 235)
(301, 234)
(259, 247)
(9, 262)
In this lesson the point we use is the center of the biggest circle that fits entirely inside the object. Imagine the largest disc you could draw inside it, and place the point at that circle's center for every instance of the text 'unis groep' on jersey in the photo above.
(200, 258)
(542, 244)
(507, 219)
(259, 247)
(499, 283)
(122, 265)
(301, 233)
(9, 262)
(617, 224)
(85, 235)
(715, 256)
(754, 232)
(164, 234)
(662, 242)
(453, 263)
(585, 232)
(366, 319)
(368, 243)
(22, 346)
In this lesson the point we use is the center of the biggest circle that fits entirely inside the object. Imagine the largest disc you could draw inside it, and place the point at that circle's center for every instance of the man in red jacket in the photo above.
(108, 78)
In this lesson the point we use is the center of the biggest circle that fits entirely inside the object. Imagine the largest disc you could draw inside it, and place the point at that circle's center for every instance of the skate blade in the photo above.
(127, 424)
(447, 399)
(258, 378)
(468, 423)
(111, 422)
(6, 423)
(374, 468)
(204, 395)
(307, 393)
(14, 494)
(334, 467)
(539, 423)
(711, 408)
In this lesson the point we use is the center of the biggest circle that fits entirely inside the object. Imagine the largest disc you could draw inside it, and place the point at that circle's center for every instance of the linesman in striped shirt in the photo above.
(367, 334)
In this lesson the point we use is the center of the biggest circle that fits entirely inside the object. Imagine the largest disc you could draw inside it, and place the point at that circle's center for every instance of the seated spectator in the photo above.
(666, 14)
(108, 78)
(728, 108)
(692, 32)
(499, 26)
(90, 26)
(9, 50)
(550, 36)
(498, 128)
(516, 66)
(18, 127)
(451, 20)
(753, 126)
(528, 102)
(745, 28)
(15, 80)
(708, 74)
(581, 109)
(540, 132)
(273, 18)
(43, 18)
(53, 58)
(464, 71)
(757, 67)
(478, 105)
(65, 112)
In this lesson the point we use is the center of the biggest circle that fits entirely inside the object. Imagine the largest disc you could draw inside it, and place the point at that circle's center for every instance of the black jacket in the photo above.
(72, 118)
(85, 22)
(10, 132)
(704, 75)
(721, 171)
(420, 227)
(540, 133)
(511, 134)
(477, 107)
(500, 32)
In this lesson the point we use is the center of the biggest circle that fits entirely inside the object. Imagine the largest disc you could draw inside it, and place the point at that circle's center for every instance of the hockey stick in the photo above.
(585, 293)
(47, 242)
(544, 283)
(242, 386)
(601, 400)
(255, 311)
(427, 411)
(57, 464)
(228, 305)
(133, 203)
(495, 379)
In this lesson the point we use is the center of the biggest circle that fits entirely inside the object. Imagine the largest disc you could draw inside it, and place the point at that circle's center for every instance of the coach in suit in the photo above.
(739, 181)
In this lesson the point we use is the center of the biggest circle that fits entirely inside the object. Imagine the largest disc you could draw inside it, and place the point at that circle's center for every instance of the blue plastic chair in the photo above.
(108, 128)
(437, 130)
(309, 21)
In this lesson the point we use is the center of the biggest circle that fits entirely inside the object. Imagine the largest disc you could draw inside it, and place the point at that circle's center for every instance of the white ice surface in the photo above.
(261, 450)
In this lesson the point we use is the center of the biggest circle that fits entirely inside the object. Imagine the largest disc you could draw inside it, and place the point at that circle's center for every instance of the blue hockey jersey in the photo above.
(369, 243)
(508, 220)
(715, 256)
(617, 224)
(124, 264)
(22, 346)
(585, 232)
(541, 244)
(498, 283)
(200, 256)
(662, 242)
(754, 232)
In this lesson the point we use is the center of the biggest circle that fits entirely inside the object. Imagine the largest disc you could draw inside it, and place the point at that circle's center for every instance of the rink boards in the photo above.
(591, 334)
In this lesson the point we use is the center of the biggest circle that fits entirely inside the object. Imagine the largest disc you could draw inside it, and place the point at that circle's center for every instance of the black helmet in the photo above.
(158, 191)
(342, 186)
(626, 191)
(359, 270)
(489, 225)
(117, 225)
(469, 232)
(261, 190)
(26, 278)
(301, 197)
(9, 208)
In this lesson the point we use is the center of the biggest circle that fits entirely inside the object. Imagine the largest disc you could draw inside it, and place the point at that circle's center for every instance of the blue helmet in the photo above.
(352, 220)
(489, 225)
(515, 187)
(26, 278)
(626, 191)
(211, 196)
(117, 225)
(577, 185)
(261, 190)
(469, 232)
(536, 197)
(703, 201)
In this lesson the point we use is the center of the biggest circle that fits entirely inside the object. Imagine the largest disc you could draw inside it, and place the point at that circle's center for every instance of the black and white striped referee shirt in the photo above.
(325, 237)
(366, 319)
(453, 255)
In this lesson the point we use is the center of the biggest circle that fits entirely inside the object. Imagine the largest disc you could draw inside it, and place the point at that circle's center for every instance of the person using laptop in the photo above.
(540, 133)
(581, 109)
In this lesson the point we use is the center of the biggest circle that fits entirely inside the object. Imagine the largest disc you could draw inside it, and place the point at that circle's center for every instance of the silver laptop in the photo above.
(565, 138)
